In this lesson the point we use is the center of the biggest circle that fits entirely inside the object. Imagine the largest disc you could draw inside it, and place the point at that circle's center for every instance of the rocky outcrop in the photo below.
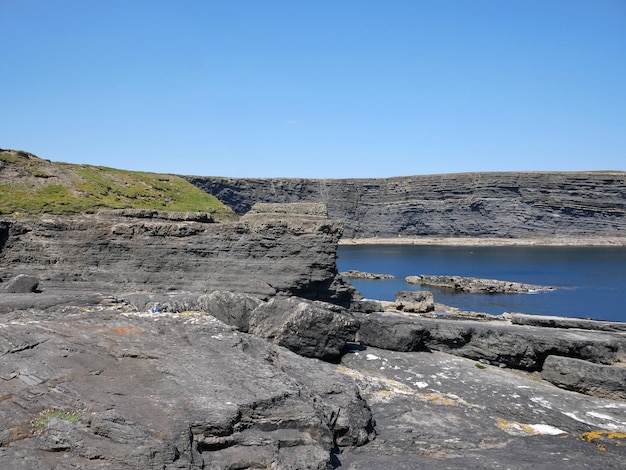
(440, 412)
(586, 377)
(112, 387)
(475, 285)
(415, 301)
(106, 385)
(496, 342)
(311, 330)
(501, 205)
(564, 322)
(273, 250)
(20, 284)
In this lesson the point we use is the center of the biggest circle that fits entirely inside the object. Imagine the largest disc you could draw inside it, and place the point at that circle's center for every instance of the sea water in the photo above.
(590, 281)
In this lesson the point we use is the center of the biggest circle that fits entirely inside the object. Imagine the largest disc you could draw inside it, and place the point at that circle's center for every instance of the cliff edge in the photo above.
(488, 205)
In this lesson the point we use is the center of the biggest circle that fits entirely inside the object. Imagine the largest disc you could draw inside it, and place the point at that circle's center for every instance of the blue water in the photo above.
(591, 280)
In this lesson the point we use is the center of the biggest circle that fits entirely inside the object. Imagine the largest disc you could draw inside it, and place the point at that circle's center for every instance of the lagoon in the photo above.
(591, 281)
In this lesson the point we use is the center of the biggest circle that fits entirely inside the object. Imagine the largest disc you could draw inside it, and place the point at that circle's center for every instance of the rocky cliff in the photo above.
(503, 205)
(270, 251)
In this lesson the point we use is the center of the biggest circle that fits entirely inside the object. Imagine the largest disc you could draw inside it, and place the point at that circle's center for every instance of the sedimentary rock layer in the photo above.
(264, 253)
(502, 205)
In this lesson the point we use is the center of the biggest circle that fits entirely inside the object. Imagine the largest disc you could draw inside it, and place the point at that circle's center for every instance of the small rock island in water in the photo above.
(475, 285)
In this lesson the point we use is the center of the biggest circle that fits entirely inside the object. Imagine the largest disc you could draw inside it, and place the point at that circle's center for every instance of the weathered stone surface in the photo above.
(366, 306)
(21, 284)
(203, 217)
(311, 329)
(474, 285)
(497, 342)
(586, 377)
(415, 301)
(307, 328)
(501, 205)
(229, 307)
(112, 388)
(263, 254)
(564, 322)
(441, 412)
(354, 274)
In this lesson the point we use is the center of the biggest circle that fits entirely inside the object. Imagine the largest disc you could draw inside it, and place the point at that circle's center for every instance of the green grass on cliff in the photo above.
(32, 186)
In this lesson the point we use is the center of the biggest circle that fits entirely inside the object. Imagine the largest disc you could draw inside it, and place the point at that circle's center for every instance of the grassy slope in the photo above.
(32, 186)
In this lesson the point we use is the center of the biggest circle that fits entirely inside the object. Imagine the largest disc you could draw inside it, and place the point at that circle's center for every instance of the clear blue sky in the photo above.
(316, 88)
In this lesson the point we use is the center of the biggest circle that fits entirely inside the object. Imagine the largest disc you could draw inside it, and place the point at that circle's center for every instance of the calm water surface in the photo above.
(591, 280)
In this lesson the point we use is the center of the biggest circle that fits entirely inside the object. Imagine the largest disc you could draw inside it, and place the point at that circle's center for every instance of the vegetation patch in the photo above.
(46, 416)
(32, 186)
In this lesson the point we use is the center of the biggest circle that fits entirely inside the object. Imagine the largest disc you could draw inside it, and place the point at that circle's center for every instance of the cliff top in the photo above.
(30, 185)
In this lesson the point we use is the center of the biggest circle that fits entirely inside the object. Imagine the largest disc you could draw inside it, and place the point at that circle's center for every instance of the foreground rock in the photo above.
(475, 285)
(311, 330)
(107, 387)
(497, 342)
(586, 377)
(436, 411)
(563, 322)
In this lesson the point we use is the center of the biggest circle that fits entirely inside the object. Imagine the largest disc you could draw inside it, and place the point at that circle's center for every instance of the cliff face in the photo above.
(504, 205)
(290, 252)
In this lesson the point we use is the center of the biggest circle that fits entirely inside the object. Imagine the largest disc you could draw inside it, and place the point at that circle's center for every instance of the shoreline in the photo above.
(479, 241)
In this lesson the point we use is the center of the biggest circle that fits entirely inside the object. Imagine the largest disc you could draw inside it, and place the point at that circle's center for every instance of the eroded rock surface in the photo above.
(111, 387)
(271, 251)
(497, 342)
(438, 411)
(599, 380)
(500, 205)
(415, 301)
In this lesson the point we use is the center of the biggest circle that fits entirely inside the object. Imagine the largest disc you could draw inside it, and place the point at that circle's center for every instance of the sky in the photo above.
(316, 88)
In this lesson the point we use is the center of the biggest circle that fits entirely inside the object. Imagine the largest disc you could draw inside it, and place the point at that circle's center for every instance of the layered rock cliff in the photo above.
(503, 205)
(273, 250)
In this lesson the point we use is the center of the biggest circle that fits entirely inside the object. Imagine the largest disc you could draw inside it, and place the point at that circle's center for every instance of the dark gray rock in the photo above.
(310, 329)
(354, 274)
(21, 284)
(503, 205)
(565, 322)
(415, 301)
(475, 285)
(366, 306)
(265, 253)
(497, 342)
(229, 307)
(586, 377)
(119, 389)
(442, 412)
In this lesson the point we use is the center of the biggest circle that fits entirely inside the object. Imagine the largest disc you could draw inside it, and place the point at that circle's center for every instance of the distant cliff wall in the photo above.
(505, 205)
(273, 250)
